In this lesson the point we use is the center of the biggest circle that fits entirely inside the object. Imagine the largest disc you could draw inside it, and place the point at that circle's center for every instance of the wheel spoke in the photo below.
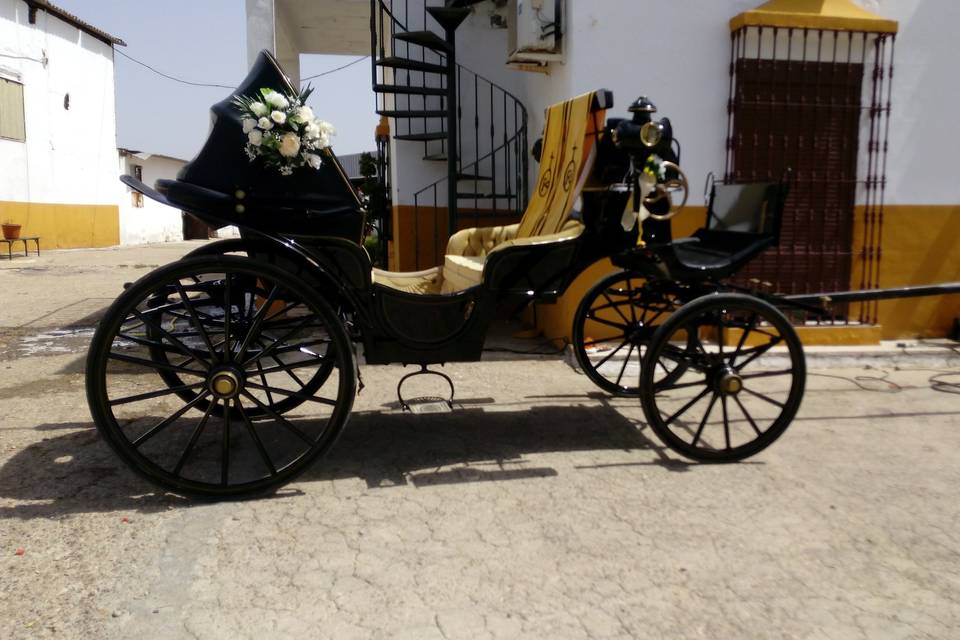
(687, 406)
(610, 355)
(703, 422)
(163, 424)
(227, 312)
(633, 310)
(767, 374)
(263, 377)
(764, 397)
(225, 446)
(626, 361)
(155, 365)
(743, 339)
(155, 394)
(184, 349)
(609, 323)
(257, 321)
(616, 308)
(256, 438)
(273, 346)
(759, 351)
(280, 419)
(746, 415)
(726, 422)
(293, 394)
(194, 437)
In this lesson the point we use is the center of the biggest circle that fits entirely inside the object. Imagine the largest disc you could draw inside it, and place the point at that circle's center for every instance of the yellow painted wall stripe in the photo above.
(65, 226)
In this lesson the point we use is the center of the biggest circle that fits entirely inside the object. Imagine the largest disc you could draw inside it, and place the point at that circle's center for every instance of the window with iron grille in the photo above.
(818, 102)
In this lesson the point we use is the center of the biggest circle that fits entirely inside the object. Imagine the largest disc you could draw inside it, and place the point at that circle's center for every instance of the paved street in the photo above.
(540, 508)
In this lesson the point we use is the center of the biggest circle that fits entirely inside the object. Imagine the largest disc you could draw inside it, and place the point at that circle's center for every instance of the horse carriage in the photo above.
(228, 372)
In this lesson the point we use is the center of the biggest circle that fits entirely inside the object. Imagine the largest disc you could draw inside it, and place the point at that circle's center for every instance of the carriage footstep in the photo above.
(425, 404)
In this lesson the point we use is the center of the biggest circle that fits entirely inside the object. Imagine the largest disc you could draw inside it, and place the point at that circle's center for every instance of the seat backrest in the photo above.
(754, 208)
(569, 137)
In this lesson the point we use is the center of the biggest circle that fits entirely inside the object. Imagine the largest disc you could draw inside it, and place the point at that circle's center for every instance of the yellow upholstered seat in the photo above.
(569, 138)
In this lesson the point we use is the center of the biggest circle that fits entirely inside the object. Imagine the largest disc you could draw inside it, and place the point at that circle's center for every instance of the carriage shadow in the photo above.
(78, 473)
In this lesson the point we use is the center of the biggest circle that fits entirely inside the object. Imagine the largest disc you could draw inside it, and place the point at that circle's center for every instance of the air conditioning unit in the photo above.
(535, 31)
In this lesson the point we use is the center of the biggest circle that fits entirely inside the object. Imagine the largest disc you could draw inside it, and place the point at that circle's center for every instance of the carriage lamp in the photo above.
(651, 134)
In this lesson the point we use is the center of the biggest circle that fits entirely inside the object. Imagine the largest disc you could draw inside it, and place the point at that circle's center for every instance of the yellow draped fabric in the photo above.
(568, 139)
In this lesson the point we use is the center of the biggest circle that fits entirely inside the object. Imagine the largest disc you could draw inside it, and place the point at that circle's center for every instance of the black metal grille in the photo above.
(797, 100)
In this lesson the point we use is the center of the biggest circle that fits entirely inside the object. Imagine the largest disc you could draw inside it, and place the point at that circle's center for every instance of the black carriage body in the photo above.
(312, 221)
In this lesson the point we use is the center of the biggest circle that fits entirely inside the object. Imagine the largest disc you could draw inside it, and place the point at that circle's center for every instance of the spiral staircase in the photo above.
(477, 129)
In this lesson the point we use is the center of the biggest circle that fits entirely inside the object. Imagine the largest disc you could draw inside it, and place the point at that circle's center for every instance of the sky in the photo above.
(205, 42)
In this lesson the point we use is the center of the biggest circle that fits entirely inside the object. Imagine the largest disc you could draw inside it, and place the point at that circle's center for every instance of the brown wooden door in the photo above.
(805, 116)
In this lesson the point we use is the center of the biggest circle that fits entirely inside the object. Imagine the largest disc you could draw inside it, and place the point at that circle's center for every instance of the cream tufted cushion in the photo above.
(479, 241)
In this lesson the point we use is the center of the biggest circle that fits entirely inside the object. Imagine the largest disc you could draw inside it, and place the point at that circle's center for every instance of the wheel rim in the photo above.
(613, 326)
(742, 384)
(240, 338)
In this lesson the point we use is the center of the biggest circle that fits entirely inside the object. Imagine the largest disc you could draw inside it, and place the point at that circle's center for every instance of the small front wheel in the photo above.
(240, 337)
(613, 325)
(743, 381)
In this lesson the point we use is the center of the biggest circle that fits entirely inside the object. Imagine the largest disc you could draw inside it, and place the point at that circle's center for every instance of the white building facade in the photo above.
(904, 207)
(58, 143)
(143, 220)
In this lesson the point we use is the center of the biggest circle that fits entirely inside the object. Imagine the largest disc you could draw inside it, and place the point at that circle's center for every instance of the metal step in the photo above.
(436, 157)
(395, 62)
(472, 177)
(486, 196)
(393, 113)
(422, 137)
(427, 39)
(405, 89)
(449, 17)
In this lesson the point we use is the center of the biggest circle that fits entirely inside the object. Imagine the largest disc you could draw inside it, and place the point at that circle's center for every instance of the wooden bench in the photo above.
(24, 240)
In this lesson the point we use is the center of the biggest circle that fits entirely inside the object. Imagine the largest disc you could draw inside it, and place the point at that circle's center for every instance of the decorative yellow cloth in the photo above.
(568, 139)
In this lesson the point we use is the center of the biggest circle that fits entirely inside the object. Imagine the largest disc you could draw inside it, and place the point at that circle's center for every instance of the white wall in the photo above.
(70, 156)
(154, 222)
(678, 53)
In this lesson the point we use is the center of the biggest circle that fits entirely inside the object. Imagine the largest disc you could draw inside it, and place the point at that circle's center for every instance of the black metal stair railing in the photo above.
(434, 101)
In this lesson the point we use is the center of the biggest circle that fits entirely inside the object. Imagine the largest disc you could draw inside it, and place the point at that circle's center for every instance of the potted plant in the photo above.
(11, 230)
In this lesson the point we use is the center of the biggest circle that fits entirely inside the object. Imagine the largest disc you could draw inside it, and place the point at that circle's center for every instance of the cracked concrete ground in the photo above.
(539, 509)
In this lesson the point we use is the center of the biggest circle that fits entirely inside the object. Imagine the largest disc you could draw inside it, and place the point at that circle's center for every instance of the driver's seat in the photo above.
(570, 133)
(743, 220)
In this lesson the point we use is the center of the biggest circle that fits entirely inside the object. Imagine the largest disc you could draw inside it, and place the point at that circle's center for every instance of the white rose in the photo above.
(279, 117)
(255, 137)
(277, 100)
(305, 114)
(312, 130)
(249, 124)
(327, 129)
(323, 141)
(313, 160)
(265, 124)
(289, 145)
(259, 109)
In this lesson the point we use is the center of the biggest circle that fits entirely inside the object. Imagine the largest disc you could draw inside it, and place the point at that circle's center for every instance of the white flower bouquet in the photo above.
(283, 131)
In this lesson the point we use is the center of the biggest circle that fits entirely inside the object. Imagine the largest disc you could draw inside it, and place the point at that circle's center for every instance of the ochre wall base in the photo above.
(65, 226)
(919, 245)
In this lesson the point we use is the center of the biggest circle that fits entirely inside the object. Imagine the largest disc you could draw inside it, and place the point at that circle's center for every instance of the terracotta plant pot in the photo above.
(11, 231)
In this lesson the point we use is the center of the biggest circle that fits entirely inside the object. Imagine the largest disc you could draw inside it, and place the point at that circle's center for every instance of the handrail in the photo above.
(497, 151)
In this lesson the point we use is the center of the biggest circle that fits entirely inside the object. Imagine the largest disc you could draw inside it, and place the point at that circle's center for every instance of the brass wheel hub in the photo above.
(729, 383)
(225, 384)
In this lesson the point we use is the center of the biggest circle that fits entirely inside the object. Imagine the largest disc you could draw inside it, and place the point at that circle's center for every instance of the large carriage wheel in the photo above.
(743, 380)
(613, 325)
(175, 316)
(224, 439)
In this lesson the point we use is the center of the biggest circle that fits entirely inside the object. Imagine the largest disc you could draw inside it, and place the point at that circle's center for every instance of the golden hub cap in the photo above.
(225, 384)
